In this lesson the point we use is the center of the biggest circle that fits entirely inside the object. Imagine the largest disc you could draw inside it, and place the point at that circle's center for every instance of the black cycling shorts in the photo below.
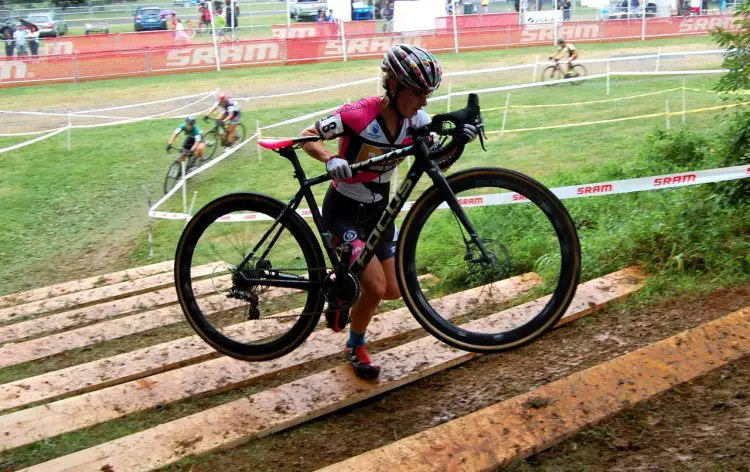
(349, 219)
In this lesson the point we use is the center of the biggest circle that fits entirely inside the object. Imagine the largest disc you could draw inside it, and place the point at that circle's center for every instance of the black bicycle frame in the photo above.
(422, 164)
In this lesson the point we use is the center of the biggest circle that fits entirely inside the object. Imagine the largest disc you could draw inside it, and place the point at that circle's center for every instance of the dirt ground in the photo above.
(704, 425)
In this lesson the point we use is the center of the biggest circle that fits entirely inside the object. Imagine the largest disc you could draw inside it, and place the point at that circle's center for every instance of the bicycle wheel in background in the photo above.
(578, 70)
(530, 232)
(249, 321)
(211, 144)
(551, 73)
(239, 133)
(173, 175)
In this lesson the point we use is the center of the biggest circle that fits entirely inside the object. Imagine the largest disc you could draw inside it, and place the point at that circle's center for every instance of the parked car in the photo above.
(362, 11)
(49, 23)
(302, 10)
(6, 18)
(187, 3)
(149, 19)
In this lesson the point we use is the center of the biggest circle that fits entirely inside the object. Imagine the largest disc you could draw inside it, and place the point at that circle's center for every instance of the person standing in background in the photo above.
(485, 6)
(10, 44)
(20, 38)
(33, 39)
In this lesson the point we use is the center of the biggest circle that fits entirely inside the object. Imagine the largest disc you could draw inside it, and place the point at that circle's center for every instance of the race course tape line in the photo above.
(32, 141)
(640, 184)
(615, 120)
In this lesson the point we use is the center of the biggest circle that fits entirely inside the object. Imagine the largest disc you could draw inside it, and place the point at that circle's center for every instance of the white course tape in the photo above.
(656, 182)
(32, 141)
(309, 91)
(301, 118)
(136, 105)
(30, 133)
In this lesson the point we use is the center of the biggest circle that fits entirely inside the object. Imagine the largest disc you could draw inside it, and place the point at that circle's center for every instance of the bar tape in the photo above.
(613, 187)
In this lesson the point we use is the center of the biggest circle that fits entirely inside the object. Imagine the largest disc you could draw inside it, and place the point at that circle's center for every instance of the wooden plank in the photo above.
(98, 295)
(93, 313)
(224, 373)
(290, 404)
(121, 368)
(498, 435)
(12, 354)
(84, 284)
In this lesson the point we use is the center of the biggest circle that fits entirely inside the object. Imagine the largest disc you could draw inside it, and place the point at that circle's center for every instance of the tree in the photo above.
(737, 56)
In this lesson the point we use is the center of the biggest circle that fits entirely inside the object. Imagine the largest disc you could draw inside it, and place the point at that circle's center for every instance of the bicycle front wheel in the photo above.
(173, 176)
(249, 279)
(519, 227)
(239, 133)
(551, 73)
(211, 144)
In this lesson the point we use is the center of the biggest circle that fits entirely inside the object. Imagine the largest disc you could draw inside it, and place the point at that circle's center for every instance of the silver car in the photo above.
(49, 23)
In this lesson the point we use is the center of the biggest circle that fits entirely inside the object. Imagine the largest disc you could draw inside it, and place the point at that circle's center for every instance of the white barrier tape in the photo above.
(300, 118)
(135, 105)
(591, 102)
(166, 196)
(673, 72)
(614, 187)
(165, 215)
(32, 141)
(528, 85)
(143, 118)
(30, 133)
(64, 115)
(617, 120)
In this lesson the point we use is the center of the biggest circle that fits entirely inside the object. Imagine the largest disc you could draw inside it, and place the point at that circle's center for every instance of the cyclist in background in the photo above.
(566, 48)
(193, 138)
(368, 128)
(229, 118)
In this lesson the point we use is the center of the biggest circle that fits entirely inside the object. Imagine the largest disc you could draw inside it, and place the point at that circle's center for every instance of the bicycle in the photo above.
(266, 249)
(217, 135)
(174, 173)
(555, 72)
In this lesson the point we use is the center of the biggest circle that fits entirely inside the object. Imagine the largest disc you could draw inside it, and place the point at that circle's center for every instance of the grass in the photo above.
(86, 209)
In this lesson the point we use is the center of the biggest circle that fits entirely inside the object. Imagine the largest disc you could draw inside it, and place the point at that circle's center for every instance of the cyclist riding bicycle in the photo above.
(193, 137)
(562, 49)
(230, 117)
(367, 128)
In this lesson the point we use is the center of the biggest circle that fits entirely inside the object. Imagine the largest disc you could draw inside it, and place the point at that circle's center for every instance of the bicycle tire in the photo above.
(562, 228)
(264, 349)
(580, 71)
(211, 144)
(239, 133)
(173, 176)
(551, 73)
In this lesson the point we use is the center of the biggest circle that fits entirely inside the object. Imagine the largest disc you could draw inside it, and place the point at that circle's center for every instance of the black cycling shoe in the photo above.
(360, 360)
(337, 318)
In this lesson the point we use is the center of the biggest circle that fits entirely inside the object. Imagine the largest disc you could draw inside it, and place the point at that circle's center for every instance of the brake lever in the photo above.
(479, 124)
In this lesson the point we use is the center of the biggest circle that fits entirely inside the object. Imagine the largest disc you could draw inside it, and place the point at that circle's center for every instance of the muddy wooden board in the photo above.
(310, 397)
(12, 354)
(140, 363)
(225, 373)
(85, 284)
(95, 313)
(100, 294)
(527, 424)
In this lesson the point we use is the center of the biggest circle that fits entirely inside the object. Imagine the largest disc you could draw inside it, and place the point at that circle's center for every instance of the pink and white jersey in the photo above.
(363, 135)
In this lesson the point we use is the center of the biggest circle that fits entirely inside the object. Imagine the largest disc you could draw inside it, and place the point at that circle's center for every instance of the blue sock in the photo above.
(355, 339)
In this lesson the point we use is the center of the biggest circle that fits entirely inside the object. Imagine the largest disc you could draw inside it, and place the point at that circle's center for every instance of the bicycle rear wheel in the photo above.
(578, 70)
(524, 228)
(174, 174)
(249, 285)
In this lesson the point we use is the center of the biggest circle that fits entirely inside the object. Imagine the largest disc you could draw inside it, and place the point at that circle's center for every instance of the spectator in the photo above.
(330, 18)
(179, 31)
(33, 38)
(20, 38)
(231, 16)
(10, 45)
(517, 5)
(485, 6)
(387, 15)
(321, 16)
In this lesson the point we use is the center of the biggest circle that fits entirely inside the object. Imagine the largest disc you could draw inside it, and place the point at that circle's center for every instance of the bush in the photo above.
(733, 149)
(673, 151)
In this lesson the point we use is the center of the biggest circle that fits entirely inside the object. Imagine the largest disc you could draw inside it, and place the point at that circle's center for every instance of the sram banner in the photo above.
(574, 191)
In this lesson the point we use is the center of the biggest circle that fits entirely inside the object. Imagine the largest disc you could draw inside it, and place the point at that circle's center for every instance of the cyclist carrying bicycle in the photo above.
(193, 137)
(367, 128)
(229, 118)
(562, 49)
